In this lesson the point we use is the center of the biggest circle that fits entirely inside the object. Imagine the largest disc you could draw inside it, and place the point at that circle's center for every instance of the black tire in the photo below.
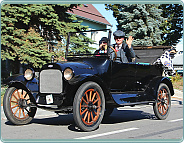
(163, 103)
(88, 106)
(108, 111)
(15, 106)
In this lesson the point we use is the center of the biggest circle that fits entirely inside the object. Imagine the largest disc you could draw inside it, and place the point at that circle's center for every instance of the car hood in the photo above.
(82, 65)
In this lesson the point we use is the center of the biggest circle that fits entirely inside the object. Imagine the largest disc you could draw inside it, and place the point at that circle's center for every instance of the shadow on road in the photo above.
(118, 116)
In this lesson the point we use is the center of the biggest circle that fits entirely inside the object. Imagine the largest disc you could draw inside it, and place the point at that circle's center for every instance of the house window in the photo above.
(93, 35)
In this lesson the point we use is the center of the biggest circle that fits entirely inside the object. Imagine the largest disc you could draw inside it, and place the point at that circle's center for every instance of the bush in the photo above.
(177, 82)
(3, 90)
(176, 78)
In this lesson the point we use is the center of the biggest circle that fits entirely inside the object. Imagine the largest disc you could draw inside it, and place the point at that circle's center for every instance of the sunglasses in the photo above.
(118, 37)
(103, 42)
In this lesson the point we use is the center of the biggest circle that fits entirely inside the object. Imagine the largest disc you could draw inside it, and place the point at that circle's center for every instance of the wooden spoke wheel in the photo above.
(17, 106)
(163, 102)
(88, 106)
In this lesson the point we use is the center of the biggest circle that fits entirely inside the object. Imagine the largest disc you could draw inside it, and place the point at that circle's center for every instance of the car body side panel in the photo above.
(123, 77)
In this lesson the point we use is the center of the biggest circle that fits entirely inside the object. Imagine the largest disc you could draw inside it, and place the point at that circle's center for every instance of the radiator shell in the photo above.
(51, 81)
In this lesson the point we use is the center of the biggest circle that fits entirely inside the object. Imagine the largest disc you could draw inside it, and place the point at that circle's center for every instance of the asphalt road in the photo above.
(125, 123)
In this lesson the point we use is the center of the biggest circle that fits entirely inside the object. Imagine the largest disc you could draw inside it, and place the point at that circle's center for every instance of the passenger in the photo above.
(102, 46)
(125, 52)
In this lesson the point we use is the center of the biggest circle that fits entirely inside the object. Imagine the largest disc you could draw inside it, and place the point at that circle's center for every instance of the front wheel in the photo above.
(16, 105)
(163, 103)
(88, 106)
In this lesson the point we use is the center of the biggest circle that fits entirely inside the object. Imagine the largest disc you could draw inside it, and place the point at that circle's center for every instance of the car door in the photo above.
(145, 73)
(123, 76)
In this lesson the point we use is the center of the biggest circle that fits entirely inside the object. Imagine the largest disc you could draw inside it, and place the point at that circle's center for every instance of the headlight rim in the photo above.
(72, 75)
(33, 74)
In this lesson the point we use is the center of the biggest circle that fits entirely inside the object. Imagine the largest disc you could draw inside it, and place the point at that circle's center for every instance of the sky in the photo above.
(109, 17)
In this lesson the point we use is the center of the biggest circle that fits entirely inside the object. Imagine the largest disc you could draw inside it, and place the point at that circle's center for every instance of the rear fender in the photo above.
(169, 84)
(154, 84)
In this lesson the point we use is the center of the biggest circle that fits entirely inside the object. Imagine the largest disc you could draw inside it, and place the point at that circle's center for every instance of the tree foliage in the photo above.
(28, 31)
(149, 24)
(172, 28)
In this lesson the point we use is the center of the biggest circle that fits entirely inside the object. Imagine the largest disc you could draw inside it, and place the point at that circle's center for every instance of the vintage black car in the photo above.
(89, 86)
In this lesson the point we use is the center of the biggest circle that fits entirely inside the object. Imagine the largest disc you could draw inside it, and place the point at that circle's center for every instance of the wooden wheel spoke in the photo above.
(90, 94)
(19, 112)
(84, 105)
(92, 116)
(23, 113)
(93, 96)
(15, 97)
(164, 107)
(95, 112)
(85, 115)
(84, 100)
(18, 94)
(87, 97)
(84, 111)
(16, 111)
(159, 108)
(158, 103)
(95, 101)
(163, 111)
(88, 117)
(14, 106)
(14, 102)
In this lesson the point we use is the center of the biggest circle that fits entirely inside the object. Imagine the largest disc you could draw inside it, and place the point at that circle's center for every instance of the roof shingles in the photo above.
(88, 11)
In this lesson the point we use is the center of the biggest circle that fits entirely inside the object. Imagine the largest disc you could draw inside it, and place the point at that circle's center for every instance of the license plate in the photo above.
(49, 99)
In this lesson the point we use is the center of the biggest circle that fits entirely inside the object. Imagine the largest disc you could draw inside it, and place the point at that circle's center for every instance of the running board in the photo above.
(130, 99)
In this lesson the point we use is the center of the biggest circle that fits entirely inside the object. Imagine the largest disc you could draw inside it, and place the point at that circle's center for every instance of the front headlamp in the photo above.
(68, 73)
(29, 74)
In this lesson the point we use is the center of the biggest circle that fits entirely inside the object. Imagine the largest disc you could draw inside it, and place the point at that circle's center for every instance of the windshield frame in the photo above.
(68, 43)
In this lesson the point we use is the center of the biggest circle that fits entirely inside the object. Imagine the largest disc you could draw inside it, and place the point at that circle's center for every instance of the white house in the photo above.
(92, 18)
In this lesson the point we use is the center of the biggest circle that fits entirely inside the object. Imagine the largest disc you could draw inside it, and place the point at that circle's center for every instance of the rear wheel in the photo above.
(16, 105)
(88, 106)
(163, 103)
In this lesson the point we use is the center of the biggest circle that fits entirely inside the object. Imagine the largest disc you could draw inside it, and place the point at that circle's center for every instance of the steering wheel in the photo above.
(114, 52)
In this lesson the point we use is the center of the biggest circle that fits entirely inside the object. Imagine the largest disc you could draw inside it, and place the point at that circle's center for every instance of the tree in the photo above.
(28, 29)
(142, 21)
(173, 26)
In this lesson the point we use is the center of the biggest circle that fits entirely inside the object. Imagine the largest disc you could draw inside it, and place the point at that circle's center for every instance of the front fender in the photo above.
(20, 85)
(80, 79)
(19, 79)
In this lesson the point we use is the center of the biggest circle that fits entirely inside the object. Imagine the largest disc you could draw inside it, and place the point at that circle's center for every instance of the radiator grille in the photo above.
(50, 81)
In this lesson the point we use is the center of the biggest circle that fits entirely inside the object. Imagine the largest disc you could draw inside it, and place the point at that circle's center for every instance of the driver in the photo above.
(125, 52)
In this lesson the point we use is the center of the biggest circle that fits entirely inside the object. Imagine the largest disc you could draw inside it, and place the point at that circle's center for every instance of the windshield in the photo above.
(88, 43)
